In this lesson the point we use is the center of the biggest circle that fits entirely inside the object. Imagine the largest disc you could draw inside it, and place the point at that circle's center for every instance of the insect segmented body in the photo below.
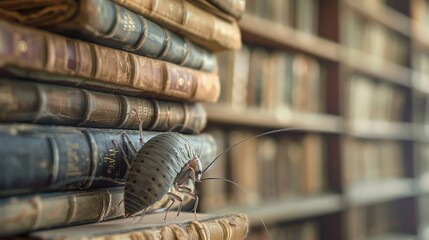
(167, 160)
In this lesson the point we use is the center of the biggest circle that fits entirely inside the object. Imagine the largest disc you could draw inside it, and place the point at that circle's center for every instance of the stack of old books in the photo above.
(110, 75)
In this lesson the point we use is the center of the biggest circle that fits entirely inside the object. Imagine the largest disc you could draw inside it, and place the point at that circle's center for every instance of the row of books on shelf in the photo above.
(268, 168)
(373, 160)
(291, 165)
(375, 100)
(299, 14)
(272, 80)
(387, 220)
(112, 76)
(380, 43)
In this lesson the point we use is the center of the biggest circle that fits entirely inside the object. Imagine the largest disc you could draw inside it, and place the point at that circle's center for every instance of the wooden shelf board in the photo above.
(291, 208)
(383, 15)
(367, 64)
(222, 113)
(380, 191)
(261, 30)
(380, 130)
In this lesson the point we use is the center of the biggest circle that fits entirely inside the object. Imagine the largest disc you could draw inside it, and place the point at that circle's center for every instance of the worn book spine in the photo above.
(23, 101)
(106, 23)
(35, 157)
(187, 19)
(231, 226)
(38, 54)
(26, 213)
(21, 214)
(234, 227)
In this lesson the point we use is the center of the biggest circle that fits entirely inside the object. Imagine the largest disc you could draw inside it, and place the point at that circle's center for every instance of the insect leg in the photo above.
(142, 214)
(131, 145)
(173, 197)
(187, 191)
(118, 206)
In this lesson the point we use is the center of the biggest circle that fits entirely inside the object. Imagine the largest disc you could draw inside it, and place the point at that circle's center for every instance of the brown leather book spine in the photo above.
(22, 101)
(234, 227)
(200, 26)
(228, 227)
(56, 209)
(108, 24)
(39, 54)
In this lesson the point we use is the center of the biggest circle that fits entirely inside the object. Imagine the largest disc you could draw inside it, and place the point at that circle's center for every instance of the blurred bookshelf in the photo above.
(353, 79)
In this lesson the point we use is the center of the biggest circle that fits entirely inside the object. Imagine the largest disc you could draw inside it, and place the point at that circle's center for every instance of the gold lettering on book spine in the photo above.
(142, 111)
(110, 159)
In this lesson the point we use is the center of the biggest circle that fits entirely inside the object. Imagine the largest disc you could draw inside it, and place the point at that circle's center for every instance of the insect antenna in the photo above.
(131, 145)
(245, 140)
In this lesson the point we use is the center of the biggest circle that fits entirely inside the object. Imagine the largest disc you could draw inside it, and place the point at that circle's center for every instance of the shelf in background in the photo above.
(261, 31)
(383, 15)
(380, 191)
(367, 64)
(292, 208)
(380, 130)
(222, 113)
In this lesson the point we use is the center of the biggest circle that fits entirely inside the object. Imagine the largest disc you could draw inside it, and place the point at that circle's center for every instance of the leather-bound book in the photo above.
(24, 213)
(31, 102)
(152, 226)
(188, 19)
(35, 158)
(106, 23)
(37, 54)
